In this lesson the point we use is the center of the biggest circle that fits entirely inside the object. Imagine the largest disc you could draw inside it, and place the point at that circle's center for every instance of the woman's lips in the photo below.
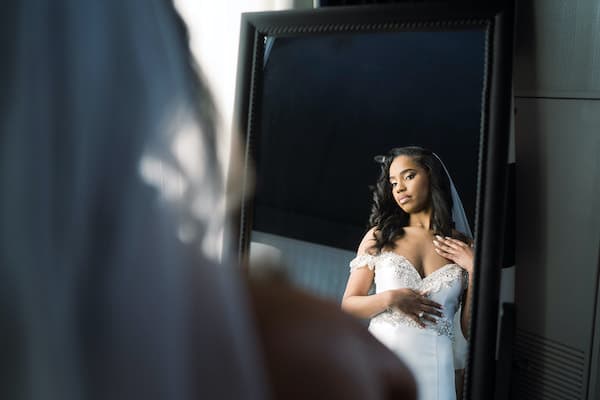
(403, 199)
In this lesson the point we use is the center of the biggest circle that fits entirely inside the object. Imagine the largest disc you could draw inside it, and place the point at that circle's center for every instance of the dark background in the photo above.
(332, 102)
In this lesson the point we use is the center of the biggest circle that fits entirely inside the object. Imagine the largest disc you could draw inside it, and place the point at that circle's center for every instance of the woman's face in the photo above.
(410, 184)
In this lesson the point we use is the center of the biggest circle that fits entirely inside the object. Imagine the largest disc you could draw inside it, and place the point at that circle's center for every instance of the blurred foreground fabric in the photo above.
(111, 206)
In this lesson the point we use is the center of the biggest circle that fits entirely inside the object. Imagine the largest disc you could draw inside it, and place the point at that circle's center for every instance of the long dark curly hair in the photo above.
(389, 219)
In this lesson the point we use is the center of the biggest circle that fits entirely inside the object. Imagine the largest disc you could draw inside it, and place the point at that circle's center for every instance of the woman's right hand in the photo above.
(416, 305)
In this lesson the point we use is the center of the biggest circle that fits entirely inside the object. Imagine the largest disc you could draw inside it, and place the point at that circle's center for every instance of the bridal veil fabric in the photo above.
(112, 204)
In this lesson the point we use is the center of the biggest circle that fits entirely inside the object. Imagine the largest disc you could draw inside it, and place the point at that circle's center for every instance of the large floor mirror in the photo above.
(323, 95)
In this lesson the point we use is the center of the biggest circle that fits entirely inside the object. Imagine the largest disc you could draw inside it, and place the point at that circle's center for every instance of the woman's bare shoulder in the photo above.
(368, 241)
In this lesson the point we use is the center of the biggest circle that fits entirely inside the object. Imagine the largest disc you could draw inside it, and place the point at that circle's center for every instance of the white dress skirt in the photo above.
(429, 352)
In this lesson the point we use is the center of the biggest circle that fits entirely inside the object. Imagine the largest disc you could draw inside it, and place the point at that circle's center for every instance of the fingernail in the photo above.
(439, 237)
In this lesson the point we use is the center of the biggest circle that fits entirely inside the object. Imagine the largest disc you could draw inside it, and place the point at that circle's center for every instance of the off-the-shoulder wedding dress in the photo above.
(429, 352)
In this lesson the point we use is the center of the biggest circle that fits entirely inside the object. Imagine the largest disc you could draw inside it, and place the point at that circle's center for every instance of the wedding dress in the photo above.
(429, 352)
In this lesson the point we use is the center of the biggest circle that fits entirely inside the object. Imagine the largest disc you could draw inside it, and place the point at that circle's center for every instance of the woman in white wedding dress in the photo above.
(421, 264)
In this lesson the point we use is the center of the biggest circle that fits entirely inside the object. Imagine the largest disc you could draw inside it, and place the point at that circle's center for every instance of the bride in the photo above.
(419, 254)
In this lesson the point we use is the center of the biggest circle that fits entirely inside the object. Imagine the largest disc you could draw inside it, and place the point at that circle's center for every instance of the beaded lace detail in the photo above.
(443, 326)
(363, 260)
(409, 277)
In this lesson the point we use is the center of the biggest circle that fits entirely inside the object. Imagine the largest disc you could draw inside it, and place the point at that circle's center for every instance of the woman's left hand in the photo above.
(455, 250)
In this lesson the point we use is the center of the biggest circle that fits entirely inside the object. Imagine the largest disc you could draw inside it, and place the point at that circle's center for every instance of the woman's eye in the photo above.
(409, 177)
(393, 184)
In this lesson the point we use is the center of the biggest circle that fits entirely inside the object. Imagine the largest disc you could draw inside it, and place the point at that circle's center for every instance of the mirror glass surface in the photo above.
(330, 103)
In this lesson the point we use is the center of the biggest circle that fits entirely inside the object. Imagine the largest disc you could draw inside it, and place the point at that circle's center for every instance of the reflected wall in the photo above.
(331, 103)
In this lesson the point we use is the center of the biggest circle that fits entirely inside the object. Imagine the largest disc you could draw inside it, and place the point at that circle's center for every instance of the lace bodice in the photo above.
(394, 271)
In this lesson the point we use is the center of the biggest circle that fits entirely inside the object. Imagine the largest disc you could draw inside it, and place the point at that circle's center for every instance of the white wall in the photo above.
(214, 27)
(319, 269)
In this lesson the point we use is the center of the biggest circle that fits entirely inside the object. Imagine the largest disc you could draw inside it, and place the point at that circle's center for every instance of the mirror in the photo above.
(322, 92)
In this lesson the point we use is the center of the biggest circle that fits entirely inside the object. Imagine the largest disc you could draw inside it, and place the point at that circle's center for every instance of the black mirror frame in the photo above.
(497, 19)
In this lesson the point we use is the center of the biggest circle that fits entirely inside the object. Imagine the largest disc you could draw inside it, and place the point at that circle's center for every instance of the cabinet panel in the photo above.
(558, 232)
(557, 48)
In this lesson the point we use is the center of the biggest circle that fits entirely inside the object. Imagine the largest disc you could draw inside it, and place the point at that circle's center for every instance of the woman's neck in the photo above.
(422, 219)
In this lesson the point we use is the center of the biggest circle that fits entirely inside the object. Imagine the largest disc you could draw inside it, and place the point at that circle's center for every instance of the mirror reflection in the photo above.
(420, 264)
(362, 138)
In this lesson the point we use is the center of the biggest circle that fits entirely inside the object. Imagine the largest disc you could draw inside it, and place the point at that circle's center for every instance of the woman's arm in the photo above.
(466, 307)
(356, 300)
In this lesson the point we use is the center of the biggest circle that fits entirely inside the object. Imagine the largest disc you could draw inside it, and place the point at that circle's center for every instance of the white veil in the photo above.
(111, 200)
(461, 224)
